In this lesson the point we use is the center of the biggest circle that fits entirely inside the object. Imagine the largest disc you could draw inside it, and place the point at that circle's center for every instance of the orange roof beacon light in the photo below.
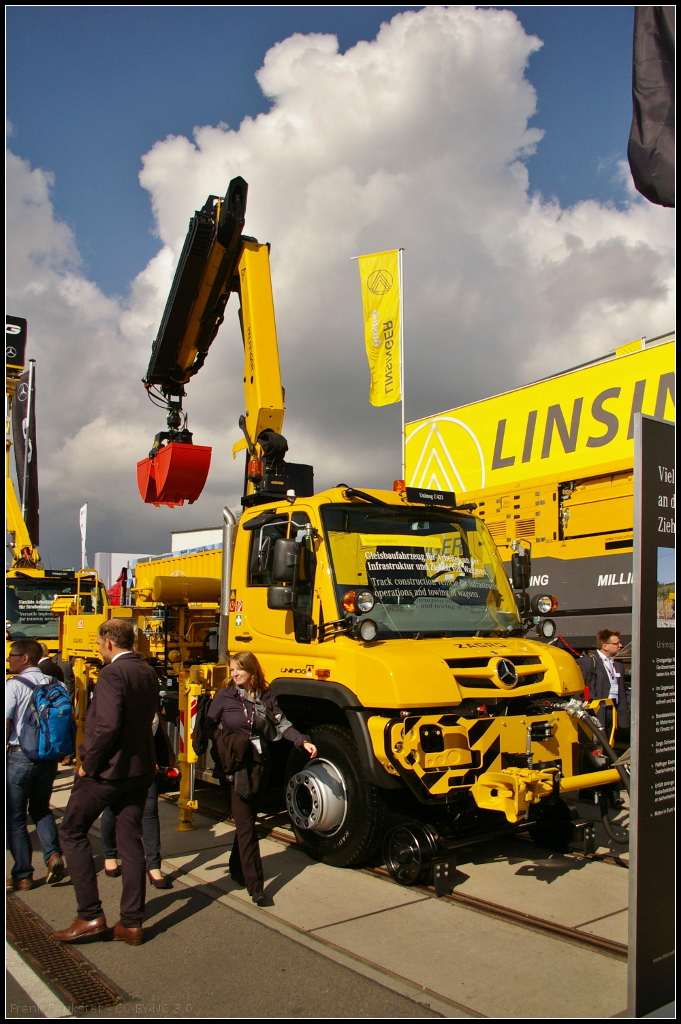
(400, 486)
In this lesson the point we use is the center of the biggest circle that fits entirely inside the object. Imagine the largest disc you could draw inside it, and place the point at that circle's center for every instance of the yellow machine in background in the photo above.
(550, 466)
(384, 621)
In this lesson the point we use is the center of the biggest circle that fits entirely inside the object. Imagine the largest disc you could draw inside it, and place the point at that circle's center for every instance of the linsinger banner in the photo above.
(575, 423)
(380, 277)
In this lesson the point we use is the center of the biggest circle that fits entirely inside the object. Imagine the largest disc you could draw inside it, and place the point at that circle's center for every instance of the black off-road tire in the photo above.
(367, 817)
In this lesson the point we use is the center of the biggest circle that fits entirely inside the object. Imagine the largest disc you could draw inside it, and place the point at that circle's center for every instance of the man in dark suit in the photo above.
(49, 667)
(118, 762)
(605, 677)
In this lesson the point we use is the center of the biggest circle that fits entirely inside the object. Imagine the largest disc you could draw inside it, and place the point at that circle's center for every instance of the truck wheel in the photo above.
(336, 814)
(553, 829)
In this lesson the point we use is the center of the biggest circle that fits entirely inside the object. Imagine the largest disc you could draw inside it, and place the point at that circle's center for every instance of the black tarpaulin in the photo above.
(26, 452)
(651, 139)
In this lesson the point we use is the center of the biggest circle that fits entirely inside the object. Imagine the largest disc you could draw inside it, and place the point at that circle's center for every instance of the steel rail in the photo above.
(597, 943)
(608, 947)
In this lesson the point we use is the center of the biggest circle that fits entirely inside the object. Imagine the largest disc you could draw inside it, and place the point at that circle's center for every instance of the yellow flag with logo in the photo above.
(381, 300)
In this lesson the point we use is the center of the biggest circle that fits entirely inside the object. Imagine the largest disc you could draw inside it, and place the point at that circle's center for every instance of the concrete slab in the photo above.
(557, 887)
(614, 926)
(306, 894)
(499, 969)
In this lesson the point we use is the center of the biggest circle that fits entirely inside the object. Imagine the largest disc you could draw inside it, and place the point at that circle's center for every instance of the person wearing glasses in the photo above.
(604, 676)
(29, 783)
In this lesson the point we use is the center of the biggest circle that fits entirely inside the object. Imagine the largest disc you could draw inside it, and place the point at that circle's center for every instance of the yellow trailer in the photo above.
(550, 466)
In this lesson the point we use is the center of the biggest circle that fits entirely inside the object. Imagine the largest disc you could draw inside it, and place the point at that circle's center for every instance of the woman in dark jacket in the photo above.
(245, 717)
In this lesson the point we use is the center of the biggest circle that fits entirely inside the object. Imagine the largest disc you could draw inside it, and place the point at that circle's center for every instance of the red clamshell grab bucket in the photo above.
(176, 474)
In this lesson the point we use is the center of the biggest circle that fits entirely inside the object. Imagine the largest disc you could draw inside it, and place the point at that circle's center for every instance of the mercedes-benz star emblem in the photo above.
(380, 282)
(507, 673)
(10, 352)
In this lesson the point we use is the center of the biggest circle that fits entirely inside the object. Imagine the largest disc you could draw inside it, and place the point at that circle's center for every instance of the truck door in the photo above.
(258, 621)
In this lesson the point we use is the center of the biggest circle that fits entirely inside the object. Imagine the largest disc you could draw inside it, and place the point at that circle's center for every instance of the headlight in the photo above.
(542, 604)
(364, 601)
(366, 630)
(546, 629)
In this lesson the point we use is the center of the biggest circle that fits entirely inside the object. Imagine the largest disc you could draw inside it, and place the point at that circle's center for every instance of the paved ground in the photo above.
(347, 944)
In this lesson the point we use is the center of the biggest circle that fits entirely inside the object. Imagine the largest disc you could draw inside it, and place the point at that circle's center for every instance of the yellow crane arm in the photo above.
(216, 260)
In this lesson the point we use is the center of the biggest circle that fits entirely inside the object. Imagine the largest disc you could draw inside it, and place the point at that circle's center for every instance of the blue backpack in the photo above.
(48, 732)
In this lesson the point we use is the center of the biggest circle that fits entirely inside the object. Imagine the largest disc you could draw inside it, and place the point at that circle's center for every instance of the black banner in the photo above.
(651, 139)
(26, 452)
(16, 330)
(652, 850)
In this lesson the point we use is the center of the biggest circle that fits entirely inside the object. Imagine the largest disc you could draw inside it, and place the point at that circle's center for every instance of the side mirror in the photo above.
(282, 598)
(285, 560)
(520, 569)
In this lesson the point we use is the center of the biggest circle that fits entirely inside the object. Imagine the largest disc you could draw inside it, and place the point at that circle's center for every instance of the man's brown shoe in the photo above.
(55, 869)
(81, 930)
(133, 936)
(19, 883)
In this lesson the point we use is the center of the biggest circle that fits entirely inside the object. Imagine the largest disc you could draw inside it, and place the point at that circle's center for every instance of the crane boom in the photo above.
(216, 260)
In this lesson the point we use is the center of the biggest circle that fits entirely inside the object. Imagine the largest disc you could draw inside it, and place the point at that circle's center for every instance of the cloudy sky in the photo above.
(488, 142)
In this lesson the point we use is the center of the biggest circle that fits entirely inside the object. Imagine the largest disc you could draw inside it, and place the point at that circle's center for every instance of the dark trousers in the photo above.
(29, 788)
(151, 831)
(90, 796)
(245, 856)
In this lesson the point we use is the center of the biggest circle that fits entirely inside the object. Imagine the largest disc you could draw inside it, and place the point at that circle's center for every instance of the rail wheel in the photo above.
(408, 851)
(553, 828)
(337, 815)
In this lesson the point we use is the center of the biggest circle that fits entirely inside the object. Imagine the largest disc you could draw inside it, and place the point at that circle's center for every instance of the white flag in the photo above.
(83, 533)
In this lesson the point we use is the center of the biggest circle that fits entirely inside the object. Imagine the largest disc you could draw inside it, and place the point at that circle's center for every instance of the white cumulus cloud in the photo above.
(418, 139)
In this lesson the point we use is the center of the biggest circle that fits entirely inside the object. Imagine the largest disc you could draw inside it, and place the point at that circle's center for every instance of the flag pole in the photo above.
(83, 536)
(404, 440)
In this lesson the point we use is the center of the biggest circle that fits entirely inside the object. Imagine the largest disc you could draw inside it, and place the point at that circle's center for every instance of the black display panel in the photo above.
(652, 849)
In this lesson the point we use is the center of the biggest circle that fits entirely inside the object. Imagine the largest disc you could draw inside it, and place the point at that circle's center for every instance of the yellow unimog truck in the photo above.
(384, 620)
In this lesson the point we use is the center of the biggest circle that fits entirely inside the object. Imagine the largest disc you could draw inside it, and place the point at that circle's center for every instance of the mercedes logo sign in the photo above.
(507, 673)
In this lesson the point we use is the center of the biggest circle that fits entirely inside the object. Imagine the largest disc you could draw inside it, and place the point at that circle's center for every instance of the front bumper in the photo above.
(507, 762)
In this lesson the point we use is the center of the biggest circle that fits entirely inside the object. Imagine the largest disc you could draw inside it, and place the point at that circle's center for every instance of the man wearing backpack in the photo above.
(29, 778)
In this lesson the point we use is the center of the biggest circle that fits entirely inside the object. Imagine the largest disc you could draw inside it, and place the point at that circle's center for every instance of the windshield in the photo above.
(28, 606)
(430, 572)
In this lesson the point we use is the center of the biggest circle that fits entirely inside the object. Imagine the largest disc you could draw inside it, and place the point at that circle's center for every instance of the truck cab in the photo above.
(389, 631)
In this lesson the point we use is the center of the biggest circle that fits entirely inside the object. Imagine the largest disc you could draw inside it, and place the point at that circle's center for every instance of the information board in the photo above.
(652, 822)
